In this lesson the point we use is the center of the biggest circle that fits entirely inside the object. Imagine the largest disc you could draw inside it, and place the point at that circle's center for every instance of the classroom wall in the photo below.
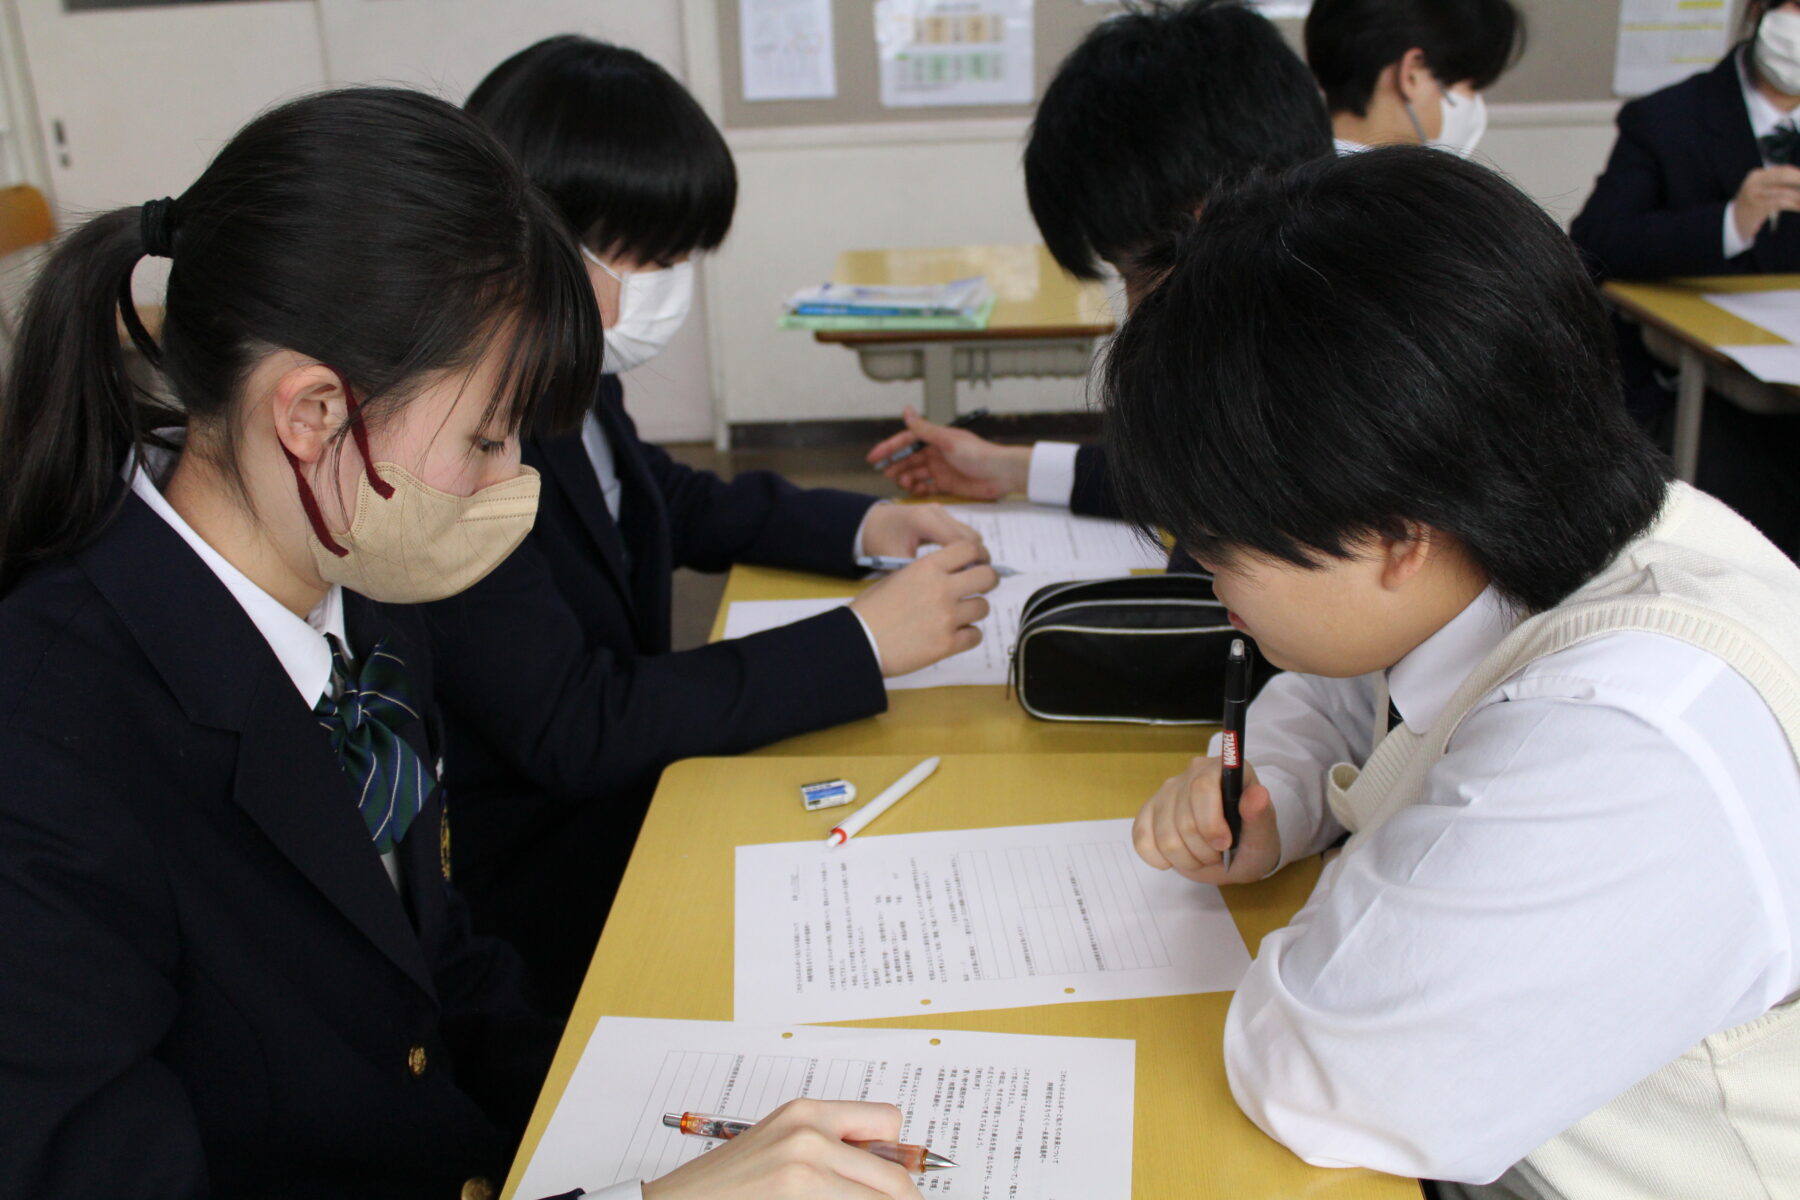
(808, 193)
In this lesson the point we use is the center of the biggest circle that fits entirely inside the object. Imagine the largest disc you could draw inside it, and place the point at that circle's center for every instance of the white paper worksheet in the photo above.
(1035, 539)
(1024, 1118)
(986, 663)
(1776, 311)
(951, 921)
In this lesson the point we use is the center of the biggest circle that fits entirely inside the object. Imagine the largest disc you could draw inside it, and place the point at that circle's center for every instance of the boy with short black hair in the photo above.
(1553, 698)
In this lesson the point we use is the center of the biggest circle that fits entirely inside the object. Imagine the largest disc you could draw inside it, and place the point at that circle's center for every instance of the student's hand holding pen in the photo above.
(1183, 829)
(927, 611)
(797, 1152)
(898, 530)
(955, 462)
(1765, 192)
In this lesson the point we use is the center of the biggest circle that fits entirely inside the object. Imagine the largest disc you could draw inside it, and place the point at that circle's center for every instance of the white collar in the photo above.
(1345, 146)
(1421, 684)
(300, 645)
(1764, 116)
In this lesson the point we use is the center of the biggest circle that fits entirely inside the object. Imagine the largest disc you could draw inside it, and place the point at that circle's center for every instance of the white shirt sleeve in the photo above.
(1297, 727)
(1051, 477)
(1735, 244)
(1578, 900)
(629, 1190)
(874, 646)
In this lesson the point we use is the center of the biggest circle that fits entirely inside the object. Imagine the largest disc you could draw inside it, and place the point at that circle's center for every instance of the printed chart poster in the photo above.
(787, 49)
(1664, 41)
(937, 53)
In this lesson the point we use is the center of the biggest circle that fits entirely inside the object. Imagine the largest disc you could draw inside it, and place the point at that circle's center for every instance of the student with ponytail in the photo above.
(232, 963)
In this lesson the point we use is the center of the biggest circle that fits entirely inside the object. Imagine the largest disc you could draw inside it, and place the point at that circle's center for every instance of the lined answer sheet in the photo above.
(1024, 1118)
(958, 920)
(985, 664)
(1035, 539)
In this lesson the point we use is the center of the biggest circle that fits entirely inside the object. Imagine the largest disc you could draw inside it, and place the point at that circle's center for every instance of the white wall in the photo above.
(808, 193)
(805, 193)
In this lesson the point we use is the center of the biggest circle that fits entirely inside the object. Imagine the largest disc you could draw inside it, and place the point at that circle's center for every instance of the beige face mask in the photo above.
(418, 544)
(409, 543)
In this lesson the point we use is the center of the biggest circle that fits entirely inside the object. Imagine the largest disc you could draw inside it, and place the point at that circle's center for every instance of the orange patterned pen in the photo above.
(916, 1159)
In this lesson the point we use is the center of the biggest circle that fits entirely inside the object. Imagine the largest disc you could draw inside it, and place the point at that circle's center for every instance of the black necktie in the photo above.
(1781, 145)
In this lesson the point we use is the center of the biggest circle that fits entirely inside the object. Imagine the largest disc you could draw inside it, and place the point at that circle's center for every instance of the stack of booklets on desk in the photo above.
(964, 304)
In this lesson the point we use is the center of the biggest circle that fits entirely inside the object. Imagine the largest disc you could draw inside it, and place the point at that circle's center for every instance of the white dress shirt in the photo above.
(299, 645)
(1764, 117)
(1599, 875)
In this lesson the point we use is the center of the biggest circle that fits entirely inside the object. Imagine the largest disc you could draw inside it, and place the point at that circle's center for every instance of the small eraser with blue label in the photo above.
(832, 793)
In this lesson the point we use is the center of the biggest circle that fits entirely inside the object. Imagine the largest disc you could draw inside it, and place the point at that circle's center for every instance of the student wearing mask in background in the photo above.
(1150, 114)
(1696, 185)
(1553, 698)
(1411, 72)
(558, 729)
(232, 964)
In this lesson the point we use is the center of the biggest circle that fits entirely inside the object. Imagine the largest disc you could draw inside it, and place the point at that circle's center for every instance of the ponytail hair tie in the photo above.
(156, 221)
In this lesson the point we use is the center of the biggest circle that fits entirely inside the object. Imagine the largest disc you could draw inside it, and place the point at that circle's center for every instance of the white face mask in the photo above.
(652, 306)
(1463, 121)
(1777, 50)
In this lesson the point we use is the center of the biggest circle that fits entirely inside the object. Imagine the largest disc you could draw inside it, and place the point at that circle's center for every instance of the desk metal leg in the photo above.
(1690, 399)
(940, 381)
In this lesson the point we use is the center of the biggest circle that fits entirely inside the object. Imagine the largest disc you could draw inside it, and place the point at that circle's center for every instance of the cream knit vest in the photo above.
(1723, 1120)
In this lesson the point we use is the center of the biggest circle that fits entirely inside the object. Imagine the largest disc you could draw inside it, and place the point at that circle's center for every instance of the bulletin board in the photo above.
(1569, 57)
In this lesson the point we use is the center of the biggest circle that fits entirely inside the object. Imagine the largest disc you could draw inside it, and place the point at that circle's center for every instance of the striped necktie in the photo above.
(370, 705)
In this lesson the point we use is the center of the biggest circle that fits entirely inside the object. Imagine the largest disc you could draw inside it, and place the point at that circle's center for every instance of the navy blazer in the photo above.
(563, 702)
(1658, 210)
(208, 984)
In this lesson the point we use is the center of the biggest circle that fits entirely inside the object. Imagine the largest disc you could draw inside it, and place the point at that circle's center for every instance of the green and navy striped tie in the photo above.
(363, 722)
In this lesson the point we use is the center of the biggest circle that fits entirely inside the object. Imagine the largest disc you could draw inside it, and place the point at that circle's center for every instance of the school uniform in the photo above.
(209, 984)
(1555, 949)
(1663, 207)
(563, 702)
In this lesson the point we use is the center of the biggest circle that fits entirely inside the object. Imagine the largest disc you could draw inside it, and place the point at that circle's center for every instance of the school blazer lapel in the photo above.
(224, 675)
(644, 517)
(565, 459)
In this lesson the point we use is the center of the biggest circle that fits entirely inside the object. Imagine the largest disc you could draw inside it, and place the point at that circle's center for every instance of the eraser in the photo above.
(832, 793)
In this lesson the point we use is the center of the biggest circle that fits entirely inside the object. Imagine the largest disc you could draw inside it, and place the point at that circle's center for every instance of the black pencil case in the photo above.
(1145, 649)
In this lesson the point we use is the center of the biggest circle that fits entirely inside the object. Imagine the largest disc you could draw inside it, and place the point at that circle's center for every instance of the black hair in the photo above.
(1349, 43)
(623, 151)
(380, 231)
(1152, 111)
(1365, 345)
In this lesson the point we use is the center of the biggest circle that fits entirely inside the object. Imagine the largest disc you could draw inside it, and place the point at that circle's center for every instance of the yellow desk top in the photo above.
(946, 720)
(1676, 307)
(1033, 296)
(667, 950)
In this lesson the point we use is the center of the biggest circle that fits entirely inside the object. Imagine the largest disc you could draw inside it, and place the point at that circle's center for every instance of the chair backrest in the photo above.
(25, 219)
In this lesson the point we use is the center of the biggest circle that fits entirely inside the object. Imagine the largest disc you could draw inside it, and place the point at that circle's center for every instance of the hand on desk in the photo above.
(954, 462)
(797, 1152)
(1183, 828)
(898, 530)
(928, 610)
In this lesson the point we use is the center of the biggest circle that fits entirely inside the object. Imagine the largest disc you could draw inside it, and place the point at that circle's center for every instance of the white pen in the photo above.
(884, 562)
(859, 819)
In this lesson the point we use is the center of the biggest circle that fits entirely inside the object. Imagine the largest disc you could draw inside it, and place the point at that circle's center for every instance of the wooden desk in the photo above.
(947, 720)
(1683, 330)
(667, 950)
(1044, 321)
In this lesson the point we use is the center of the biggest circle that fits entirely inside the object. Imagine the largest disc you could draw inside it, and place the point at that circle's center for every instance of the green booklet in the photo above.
(978, 319)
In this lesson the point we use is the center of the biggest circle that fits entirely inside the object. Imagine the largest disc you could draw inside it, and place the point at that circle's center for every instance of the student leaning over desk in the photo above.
(1553, 698)
(232, 964)
(1144, 119)
(1213, 89)
(559, 730)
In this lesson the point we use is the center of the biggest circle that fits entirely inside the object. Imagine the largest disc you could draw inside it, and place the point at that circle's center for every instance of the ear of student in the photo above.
(307, 407)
